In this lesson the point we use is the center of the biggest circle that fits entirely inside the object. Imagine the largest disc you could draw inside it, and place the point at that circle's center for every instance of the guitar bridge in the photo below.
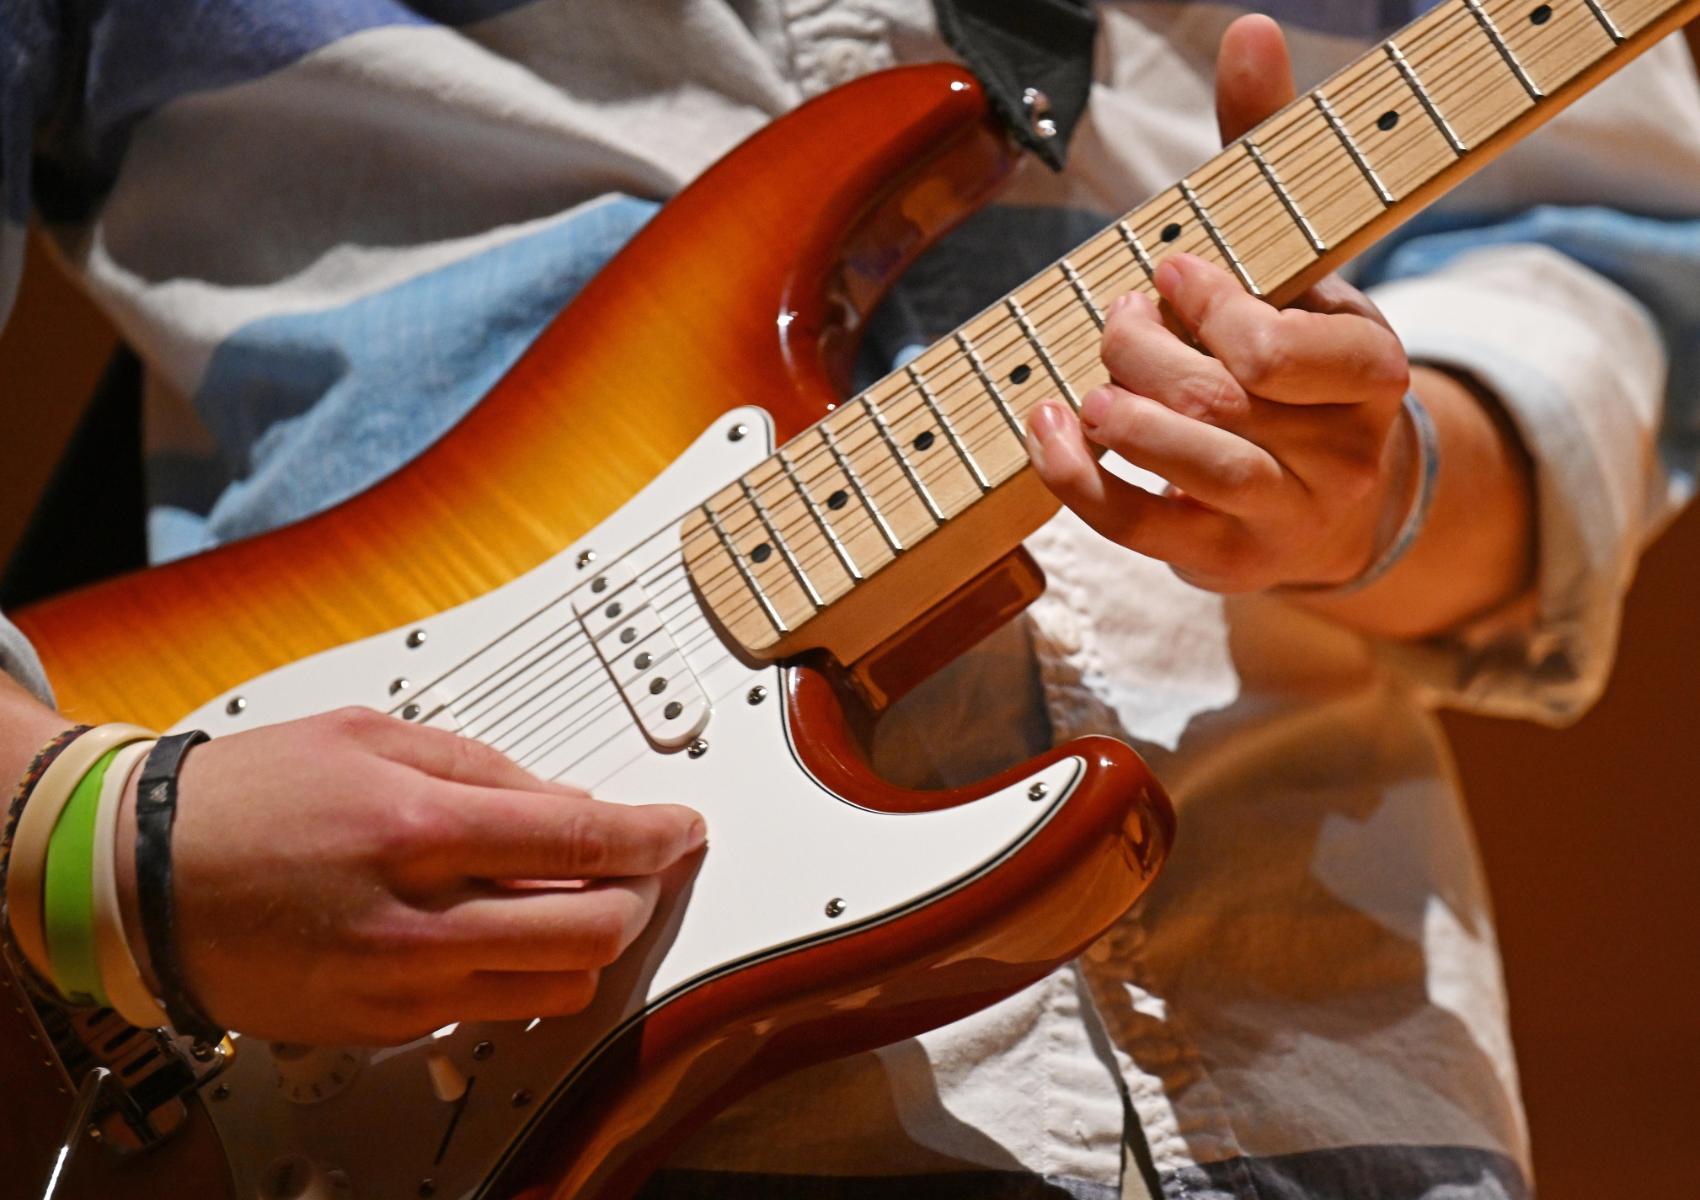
(141, 1103)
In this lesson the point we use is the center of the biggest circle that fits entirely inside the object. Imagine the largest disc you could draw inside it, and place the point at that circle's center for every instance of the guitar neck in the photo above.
(1280, 207)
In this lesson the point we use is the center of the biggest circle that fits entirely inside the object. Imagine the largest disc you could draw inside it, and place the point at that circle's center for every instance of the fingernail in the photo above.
(1095, 406)
(1169, 275)
(1119, 303)
(1044, 425)
(696, 836)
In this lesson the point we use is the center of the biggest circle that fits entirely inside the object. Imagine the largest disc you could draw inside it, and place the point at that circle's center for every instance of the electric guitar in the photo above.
(663, 559)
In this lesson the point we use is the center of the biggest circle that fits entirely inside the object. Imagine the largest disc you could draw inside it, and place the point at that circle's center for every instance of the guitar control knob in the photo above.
(313, 1074)
(297, 1177)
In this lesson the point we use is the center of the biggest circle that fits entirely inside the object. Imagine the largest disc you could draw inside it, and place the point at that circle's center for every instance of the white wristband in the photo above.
(1428, 470)
(120, 974)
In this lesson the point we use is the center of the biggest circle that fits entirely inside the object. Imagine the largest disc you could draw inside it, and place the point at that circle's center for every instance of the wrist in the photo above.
(26, 725)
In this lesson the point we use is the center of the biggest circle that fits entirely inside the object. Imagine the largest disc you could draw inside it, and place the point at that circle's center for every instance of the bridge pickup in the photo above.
(635, 645)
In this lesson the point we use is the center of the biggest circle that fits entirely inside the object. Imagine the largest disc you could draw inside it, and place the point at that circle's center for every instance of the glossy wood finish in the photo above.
(961, 953)
(810, 219)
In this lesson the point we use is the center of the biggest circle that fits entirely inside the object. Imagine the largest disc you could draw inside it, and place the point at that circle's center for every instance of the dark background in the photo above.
(1590, 833)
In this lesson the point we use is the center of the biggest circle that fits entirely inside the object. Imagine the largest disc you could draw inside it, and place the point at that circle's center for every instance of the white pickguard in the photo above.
(781, 846)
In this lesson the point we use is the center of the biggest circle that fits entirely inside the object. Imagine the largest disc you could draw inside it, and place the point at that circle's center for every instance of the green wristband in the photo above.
(68, 892)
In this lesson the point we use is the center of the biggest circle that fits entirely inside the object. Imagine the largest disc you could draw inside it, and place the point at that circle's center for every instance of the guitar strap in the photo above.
(1035, 60)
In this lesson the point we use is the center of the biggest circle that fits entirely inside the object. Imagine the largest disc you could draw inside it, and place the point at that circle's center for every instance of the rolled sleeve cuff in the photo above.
(18, 659)
(1580, 370)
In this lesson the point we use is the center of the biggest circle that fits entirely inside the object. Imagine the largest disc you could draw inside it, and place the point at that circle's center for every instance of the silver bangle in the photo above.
(1428, 470)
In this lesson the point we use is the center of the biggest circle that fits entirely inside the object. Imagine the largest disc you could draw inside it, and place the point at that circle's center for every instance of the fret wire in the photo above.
(784, 546)
(1492, 30)
(1423, 98)
(1221, 242)
(991, 386)
(1132, 241)
(932, 403)
(1032, 336)
(1469, 22)
(1079, 287)
(1605, 20)
(1287, 201)
(838, 547)
(749, 579)
(985, 380)
(902, 459)
(1351, 145)
(862, 492)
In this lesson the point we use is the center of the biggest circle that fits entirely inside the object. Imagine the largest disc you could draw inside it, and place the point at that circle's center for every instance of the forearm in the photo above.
(1476, 551)
(26, 725)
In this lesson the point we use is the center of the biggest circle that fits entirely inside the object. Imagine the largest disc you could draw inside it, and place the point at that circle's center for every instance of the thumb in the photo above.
(1254, 76)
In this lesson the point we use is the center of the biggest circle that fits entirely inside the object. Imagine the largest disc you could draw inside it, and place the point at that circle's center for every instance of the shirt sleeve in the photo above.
(1585, 323)
(29, 40)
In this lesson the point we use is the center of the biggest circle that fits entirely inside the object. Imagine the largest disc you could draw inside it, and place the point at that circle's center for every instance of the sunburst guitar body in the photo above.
(526, 583)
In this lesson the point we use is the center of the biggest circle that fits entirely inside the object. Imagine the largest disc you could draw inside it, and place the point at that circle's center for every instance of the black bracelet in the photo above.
(156, 811)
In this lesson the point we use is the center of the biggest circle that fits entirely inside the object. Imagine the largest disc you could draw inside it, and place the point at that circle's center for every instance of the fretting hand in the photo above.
(1282, 434)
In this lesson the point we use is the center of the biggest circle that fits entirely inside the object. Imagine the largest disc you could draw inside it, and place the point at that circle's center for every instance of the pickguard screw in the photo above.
(835, 907)
(397, 686)
(585, 558)
(221, 1092)
(236, 706)
(203, 1051)
(483, 1050)
(697, 748)
(738, 432)
(520, 1098)
(410, 712)
(1038, 792)
(416, 639)
(756, 694)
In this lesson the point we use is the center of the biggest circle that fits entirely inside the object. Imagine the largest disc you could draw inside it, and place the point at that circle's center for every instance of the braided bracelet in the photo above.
(20, 796)
(156, 811)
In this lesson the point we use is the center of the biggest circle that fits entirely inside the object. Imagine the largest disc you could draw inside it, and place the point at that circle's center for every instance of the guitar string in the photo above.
(1279, 223)
(678, 567)
(1253, 188)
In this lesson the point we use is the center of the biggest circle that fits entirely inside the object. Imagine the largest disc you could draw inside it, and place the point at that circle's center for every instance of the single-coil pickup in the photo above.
(645, 662)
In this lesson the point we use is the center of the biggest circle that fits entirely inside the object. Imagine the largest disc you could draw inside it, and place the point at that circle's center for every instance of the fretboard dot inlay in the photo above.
(838, 499)
(1387, 121)
(924, 441)
(1541, 15)
(762, 553)
(1171, 231)
(1021, 374)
